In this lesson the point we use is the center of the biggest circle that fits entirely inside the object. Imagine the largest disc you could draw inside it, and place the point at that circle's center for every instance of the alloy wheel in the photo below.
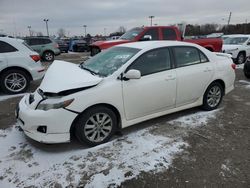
(98, 127)
(15, 82)
(214, 96)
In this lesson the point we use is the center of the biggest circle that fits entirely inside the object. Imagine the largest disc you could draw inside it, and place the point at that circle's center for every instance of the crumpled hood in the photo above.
(230, 47)
(62, 76)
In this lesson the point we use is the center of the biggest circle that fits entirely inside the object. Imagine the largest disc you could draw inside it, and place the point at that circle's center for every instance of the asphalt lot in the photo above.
(191, 148)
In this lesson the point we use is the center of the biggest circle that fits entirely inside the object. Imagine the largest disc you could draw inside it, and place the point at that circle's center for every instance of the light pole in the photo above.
(151, 20)
(85, 28)
(47, 28)
(29, 27)
(105, 32)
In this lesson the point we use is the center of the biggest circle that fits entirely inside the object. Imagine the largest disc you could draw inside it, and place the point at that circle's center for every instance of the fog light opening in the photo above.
(42, 129)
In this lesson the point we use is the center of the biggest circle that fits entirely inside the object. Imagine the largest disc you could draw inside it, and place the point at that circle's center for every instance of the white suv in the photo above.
(18, 65)
(238, 46)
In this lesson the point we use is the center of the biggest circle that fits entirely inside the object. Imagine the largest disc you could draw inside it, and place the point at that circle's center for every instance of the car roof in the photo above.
(11, 40)
(156, 44)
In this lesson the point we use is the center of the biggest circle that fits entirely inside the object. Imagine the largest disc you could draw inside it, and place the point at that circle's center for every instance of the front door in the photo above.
(155, 91)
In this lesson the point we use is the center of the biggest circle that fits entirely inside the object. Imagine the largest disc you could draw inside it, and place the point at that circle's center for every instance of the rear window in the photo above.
(6, 48)
(25, 44)
(169, 34)
(37, 41)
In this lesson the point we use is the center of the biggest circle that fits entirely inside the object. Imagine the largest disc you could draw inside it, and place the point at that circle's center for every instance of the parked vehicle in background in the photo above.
(246, 68)
(78, 45)
(63, 45)
(102, 95)
(155, 33)
(46, 47)
(113, 38)
(18, 65)
(238, 46)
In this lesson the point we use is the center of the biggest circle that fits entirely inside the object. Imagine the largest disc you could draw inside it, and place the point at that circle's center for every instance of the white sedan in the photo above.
(122, 86)
(19, 64)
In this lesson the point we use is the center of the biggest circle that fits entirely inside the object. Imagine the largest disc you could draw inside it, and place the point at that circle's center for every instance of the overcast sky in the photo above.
(16, 15)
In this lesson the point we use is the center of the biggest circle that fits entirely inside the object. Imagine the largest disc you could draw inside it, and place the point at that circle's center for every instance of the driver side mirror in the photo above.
(146, 38)
(132, 74)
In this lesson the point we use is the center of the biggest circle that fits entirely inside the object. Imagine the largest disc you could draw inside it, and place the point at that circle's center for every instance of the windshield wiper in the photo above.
(87, 69)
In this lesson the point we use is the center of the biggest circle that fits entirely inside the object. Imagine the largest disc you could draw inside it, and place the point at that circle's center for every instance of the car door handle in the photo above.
(207, 70)
(170, 78)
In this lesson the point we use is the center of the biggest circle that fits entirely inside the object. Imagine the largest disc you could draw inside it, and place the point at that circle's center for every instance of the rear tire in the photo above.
(213, 96)
(241, 58)
(14, 81)
(95, 126)
(48, 56)
(247, 69)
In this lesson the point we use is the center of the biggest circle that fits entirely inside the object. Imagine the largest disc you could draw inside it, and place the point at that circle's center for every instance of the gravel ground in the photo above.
(191, 148)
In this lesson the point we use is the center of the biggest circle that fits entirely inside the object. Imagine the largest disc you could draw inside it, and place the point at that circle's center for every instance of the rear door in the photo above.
(155, 91)
(194, 72)
(3, 60)
(8, 55)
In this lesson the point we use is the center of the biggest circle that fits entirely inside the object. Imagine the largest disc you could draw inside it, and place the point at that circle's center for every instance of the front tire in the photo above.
(96, 126)
(14, 81)
(48, 56)
(213, 96)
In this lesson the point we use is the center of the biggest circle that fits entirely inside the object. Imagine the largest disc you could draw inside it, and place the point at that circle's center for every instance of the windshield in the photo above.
(107, 62)
(131, 34)
(235, 40)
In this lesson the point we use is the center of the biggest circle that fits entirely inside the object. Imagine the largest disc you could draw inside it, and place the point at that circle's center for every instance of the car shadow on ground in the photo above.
(75, 145)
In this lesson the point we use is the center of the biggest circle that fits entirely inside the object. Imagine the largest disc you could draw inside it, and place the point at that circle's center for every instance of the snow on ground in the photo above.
(240, 66)
(194, 120)
(5, 97)
(22, 164)
(246, 83)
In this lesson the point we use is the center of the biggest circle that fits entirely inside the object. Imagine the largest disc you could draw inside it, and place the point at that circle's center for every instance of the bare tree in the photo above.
(61, 32)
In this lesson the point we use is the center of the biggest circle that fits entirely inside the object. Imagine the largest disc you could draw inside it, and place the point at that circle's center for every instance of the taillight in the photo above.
(56, 45)
(233, 66)
(36, 58)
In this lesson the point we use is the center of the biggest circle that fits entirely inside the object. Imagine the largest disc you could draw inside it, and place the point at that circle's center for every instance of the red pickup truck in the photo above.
(155, 33)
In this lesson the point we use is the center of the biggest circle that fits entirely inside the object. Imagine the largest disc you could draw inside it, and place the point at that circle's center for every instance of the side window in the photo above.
(6, 48)
(33, 41)
(203, 58)
(153, 33)
(153, 61)
(169, 34)
(188, 56)
(46, 41)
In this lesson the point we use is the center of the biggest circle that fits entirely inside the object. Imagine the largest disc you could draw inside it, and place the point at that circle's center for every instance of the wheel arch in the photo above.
(18, 68)
(221, 82)
(242, 51)
(112, 107)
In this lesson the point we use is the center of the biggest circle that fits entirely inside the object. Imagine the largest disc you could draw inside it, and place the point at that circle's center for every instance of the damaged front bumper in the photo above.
(52, 126)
